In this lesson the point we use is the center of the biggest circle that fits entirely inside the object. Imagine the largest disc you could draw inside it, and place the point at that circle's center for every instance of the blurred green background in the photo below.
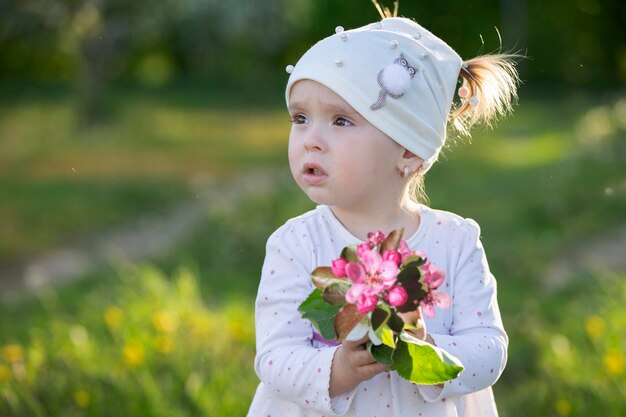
(143, 166)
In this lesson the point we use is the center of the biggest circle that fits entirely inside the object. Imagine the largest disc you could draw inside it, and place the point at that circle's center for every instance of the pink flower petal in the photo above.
(371, 262)
(366, 303)
(355, 272)
(404, 250)
(436, 278)
(441, 299)
(428, 310)
(388, 271)
(354, 292)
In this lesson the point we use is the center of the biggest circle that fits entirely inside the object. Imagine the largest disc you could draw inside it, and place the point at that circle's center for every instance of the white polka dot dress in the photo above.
(294, 365)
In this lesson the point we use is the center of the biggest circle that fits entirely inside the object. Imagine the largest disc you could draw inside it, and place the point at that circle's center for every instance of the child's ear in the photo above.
(410, 160)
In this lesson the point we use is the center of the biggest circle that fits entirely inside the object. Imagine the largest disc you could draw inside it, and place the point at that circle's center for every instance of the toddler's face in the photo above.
(336, 156)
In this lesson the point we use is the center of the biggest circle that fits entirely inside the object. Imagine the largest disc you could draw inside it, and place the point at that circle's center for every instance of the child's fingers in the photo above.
(358, 362)
(356, 345)
(366, 372)
(362, 358)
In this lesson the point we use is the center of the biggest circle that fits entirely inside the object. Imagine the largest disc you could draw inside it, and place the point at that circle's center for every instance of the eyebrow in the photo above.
(298, 105)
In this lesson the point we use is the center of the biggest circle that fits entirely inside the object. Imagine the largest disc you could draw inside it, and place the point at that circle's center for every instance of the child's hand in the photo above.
(352, 365)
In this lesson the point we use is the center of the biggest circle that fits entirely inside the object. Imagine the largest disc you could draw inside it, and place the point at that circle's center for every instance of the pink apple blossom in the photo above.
(375, 238)
(370, 278)
(392, 255)
(362, 249)
(404, 250)
(433, 276)
(397, 296)
(339, 267)
(436, 298)
(366, 302)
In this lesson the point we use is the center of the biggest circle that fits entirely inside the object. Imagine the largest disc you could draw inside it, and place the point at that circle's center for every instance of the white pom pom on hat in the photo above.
(396, 79)
(417, 118)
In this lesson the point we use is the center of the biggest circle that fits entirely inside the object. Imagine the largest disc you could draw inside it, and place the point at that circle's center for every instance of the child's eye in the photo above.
(342, 121)
(298, 119)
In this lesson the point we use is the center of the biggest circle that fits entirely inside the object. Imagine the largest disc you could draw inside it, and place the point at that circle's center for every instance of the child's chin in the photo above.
(317, 197)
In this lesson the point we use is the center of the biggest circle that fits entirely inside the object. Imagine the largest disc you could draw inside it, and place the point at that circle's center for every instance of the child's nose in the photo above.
(314, 142)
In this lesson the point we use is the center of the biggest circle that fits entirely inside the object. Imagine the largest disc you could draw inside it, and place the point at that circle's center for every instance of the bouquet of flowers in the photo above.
(363, 292)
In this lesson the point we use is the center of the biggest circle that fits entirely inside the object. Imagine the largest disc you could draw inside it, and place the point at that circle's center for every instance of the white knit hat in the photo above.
(396, 74)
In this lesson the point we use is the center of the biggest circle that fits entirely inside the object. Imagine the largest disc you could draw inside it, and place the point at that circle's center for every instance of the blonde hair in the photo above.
(492, 82)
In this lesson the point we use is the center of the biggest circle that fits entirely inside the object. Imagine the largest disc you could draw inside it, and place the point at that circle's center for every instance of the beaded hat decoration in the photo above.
(396, 74)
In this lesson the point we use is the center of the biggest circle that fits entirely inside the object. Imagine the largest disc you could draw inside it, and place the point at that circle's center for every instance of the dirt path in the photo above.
(135, 241)
(152, 236)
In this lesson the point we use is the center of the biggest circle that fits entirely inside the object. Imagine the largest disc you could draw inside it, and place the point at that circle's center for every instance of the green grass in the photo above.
(147, 344)
(536, 186)
(149, 153)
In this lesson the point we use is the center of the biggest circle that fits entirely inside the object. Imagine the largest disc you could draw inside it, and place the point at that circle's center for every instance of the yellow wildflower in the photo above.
(133, 354)
(113, 316)
(5, 373)
(202, 325)
(81, 398)
(614, 363)
(164, 322)
(164, 344)
(594, 325)
(563, 407)
(237, 331)
(13, 353)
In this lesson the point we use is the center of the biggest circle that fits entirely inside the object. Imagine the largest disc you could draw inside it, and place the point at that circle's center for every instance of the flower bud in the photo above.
(362, 249)
(392, 255)
(376, 238)
(339, 267)
(397, 296)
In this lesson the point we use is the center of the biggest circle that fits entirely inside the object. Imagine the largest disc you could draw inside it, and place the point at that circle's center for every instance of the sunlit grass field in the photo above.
(176, 337)
(59, 180)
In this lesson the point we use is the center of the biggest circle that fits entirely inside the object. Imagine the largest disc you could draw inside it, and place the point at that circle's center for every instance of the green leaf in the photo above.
(417, 260)
(379, 317)
(387, 337)
(320, 313)
(349, 253)
(395, 322)
(381, 353)
(423, 363)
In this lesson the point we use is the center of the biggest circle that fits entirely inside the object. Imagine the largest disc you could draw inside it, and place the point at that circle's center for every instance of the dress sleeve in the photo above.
(286, 361)
(477, 336)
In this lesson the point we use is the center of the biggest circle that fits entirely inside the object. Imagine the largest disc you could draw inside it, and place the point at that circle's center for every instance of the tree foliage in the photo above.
(573, 43)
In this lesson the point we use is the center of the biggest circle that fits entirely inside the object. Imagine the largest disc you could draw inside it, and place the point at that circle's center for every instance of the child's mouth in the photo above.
(313, 174)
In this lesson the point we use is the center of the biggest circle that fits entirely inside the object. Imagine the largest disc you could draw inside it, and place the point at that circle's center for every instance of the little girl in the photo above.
(369, 109)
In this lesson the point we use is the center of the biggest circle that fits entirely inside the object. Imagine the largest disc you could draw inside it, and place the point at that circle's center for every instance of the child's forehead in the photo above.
(305, 93)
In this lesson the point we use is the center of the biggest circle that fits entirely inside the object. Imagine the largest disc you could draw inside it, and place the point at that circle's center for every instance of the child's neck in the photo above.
(360, 223)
